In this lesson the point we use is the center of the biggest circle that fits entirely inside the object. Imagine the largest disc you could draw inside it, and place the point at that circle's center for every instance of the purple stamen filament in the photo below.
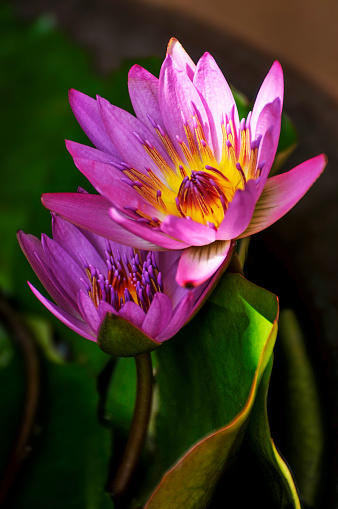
(135, 279)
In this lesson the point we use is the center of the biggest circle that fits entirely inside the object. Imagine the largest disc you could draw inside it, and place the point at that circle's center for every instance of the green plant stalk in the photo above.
(138, 429)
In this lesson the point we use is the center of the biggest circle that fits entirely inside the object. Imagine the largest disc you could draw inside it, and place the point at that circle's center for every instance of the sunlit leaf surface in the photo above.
(208, 378)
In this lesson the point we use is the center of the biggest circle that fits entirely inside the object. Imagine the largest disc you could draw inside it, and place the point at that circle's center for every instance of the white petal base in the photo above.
(198, 263)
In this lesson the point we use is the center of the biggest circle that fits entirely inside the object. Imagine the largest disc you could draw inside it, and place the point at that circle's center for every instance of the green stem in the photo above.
(139, 426)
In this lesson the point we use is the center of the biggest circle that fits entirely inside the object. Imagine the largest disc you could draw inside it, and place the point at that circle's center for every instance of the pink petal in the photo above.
(108, 182)
(282, 192)
(268, 126)
(143, 91)
(84, 152)
(86, 112)
(203, 291)
(133, 314)
(66, 270)
(188, 231)
(37, 258)
(73, 323)
(179, 99)
(218, 98)
(75, 243)
(181, 57)
(105, 308)
(122, 127)
(91, 212)
(156, 237)
(180, 317)
(158, 315)
(88, 311)
(272, 88)
(239, 212)
(197, 264)
(174, 291)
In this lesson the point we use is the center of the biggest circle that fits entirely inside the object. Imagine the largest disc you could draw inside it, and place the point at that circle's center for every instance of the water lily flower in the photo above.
(89, 276)
(186, 172)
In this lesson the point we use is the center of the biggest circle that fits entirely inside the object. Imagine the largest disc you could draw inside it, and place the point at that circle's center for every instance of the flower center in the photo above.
(195, 185)
(134, 277)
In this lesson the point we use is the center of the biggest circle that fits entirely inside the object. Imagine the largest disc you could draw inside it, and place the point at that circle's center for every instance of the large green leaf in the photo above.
(304, 427)
(208, 377)
(69, 464)
(274, 469)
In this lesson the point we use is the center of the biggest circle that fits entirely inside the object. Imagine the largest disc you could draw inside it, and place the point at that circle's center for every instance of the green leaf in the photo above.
(275, 470)
(69, 464)
(208, 376)
(119, 338)
(304, 427)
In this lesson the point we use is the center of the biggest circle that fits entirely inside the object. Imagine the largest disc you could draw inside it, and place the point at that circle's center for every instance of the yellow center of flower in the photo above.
(198, 187)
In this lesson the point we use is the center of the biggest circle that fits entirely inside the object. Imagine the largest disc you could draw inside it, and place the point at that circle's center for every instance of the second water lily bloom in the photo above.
(186, 172)
(88, 276)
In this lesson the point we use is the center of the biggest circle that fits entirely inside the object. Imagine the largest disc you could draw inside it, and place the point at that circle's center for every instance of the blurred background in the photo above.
(48, 47)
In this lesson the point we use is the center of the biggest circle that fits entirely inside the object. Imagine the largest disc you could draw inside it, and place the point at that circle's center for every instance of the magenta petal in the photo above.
(67, 272)
(129, 135)
(179, 100)
(172, 289)
(36, 256)
(218, 98)
(197, 264)
(88, 311)
(268, 126)
(239, 213)
(91, 212)
(85, 152)
(181, 57)
(86, 112)
(133, 313)
(146, 232)
(282, 192)
(143, 91)
(73, 323)
(203, 291)
(272, 88)
(105, 308)
(180, 316)
(108, 182)
(188, 231)
(158, 315)
(75, 243)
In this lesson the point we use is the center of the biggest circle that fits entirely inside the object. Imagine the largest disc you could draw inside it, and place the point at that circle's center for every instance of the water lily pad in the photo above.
(208, 379)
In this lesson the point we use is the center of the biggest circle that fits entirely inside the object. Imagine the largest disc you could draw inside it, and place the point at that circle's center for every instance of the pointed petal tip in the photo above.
(134, 71)
(74, 94)
(44, 199)
(277, 66)
(324, 158)
(172, 42)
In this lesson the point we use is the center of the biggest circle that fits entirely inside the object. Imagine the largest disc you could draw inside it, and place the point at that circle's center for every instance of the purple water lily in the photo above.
(186, 172)
(89, 276)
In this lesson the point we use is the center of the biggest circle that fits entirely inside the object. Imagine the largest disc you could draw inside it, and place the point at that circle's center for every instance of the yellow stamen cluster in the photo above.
(196, 185)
